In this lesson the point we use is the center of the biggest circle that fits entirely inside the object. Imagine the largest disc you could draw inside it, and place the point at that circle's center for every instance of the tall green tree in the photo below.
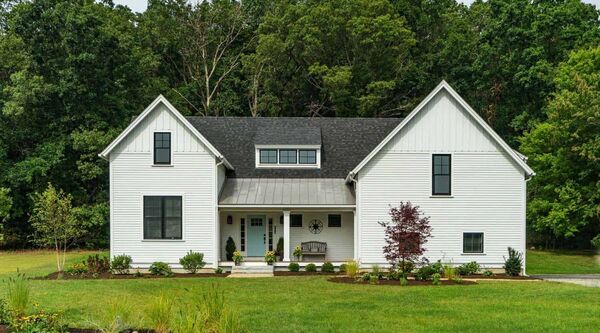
(565, 151)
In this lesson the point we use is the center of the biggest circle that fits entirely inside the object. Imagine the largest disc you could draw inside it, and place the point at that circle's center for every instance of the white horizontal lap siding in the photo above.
(192, 175)
(487, 188)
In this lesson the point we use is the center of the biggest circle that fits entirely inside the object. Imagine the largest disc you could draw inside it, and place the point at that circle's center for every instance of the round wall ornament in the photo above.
(315, 226)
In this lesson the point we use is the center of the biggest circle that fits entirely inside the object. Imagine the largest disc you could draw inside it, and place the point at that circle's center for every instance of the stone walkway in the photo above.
(588, 280)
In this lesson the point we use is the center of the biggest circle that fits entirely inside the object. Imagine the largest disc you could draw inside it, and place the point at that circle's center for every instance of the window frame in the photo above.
(286, 165)
(329, 221)
(301, 221)
(482, 242)
(301, 150)
(154, 148)
(270, 150)
(433, 176)
(287, 150)
(182, 218)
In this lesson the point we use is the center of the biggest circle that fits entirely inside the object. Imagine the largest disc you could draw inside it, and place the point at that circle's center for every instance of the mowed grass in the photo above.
(563, 262)
(36, 263)
(312, 304)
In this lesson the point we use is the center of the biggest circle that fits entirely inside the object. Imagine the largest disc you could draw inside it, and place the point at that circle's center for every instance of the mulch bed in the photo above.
(304, 273)
(110, 276)
(4, 329)
(411, 283)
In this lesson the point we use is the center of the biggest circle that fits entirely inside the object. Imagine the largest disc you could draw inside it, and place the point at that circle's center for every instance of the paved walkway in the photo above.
(588, 280)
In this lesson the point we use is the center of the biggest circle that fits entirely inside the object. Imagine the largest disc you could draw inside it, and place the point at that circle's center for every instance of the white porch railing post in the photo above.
(286, 235)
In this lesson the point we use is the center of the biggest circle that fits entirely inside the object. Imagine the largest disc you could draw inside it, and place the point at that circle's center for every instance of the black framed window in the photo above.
(296, 220)
(334, 221)
(473, 242)
(307, 156)
(288, 156)
(162, 148)
(268, 156)
(441, 174)
(162, 217)
(243, 234)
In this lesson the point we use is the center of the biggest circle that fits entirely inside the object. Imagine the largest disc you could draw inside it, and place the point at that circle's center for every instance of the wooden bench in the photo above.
(313, 248)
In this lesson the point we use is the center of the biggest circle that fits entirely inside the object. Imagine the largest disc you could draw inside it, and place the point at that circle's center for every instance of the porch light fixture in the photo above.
(229, 219)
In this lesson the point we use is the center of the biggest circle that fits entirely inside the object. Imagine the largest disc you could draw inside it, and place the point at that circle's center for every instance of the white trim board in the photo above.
(161, 99)
(517, 157)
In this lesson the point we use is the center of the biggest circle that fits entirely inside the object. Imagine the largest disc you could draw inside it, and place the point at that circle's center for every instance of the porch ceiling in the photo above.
(287, 191)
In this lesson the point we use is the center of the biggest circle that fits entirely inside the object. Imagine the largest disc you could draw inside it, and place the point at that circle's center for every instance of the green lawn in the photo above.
(35, 263)
(563, 262)
(312, 304)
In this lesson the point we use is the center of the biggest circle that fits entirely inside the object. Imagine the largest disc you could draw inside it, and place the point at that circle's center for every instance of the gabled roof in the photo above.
(344, 142)
(518, 158)
(161, 99)
(289, 136)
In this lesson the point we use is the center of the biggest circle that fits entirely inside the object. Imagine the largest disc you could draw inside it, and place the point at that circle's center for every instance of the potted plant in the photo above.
(237, 258)
(297, 252)
(270, 257)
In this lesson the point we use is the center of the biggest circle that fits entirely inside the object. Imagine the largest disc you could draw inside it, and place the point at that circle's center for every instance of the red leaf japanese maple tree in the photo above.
(405, 236)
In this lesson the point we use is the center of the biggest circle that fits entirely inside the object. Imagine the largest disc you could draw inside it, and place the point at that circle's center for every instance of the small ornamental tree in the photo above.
(53, 221)
(405, 236)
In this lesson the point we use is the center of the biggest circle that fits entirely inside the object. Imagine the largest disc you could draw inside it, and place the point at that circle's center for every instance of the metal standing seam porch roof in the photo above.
(287, 192)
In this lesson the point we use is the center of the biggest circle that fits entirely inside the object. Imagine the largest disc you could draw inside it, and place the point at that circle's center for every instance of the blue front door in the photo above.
(256, 236)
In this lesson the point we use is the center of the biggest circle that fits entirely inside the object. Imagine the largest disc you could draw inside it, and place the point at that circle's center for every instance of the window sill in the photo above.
(163, 240)
(441, 196)
(162, 165)
(473, 254)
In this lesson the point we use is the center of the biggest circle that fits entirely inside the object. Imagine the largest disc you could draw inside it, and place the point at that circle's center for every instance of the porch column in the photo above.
(286, 235)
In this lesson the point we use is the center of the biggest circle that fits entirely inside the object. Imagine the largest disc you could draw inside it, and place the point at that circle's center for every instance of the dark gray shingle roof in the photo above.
(289, 136)
(345, 142)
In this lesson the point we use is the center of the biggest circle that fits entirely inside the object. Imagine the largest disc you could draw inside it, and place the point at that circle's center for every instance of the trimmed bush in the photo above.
(294, 267)
(327, 267)
(468, 268)
(97, 265)
(229, 249)
(366, 277)
(425, 272)
(488, 273)
(160, 268)
(311, 268)
(192, 261)
(514, 263)
(343, 268)
(218, 270)
(121, 264)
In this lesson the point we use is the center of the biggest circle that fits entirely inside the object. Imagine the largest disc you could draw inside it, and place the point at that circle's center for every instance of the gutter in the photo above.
(350, 178)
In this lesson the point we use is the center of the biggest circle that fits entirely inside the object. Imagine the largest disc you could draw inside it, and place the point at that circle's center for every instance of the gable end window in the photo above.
(334, 221)
(441, 164)
(162, 217)
(162, 148)
(296, 220)
(473, 242)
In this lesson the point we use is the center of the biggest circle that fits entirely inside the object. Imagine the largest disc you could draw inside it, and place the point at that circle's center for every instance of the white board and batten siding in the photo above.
(191, 175)
(487, 187)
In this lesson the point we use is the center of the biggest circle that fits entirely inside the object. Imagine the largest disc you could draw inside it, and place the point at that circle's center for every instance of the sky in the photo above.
(140, 5)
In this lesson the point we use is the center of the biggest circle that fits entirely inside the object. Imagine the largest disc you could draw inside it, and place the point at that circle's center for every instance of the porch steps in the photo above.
(253, 269)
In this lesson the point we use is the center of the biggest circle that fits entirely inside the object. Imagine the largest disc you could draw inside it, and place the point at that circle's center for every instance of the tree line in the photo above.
(74, 73)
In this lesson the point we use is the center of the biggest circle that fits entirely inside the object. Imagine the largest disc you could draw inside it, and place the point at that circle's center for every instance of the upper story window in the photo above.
(441, 174)
(162, 148)
(288, 157)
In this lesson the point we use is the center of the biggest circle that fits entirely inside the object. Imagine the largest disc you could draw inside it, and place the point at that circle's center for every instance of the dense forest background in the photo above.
(74, 73)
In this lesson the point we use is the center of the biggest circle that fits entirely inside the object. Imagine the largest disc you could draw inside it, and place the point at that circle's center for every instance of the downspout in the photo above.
(216, 229)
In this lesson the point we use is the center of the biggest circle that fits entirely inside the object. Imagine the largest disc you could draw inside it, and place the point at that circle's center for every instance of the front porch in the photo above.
(255, 231)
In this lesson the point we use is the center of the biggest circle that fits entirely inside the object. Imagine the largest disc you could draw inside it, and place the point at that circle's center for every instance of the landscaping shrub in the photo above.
(514, 263)
(375, 270)
(121, 264)
(76, 269)
(160, 268)
(311, 268)
(488, 273)
(366, 277)
(468, 268)
(229, 249)
(373, 279)
(39, 322)
(159, 314)
(327, 267)
(4, 313)
(343, 268)
(425, 272)
(270, 257)
(596, 241)
(457, 279)
(115, 318)
(437, 267)
(352, 268)
(192, 261)
(406, 267)
(395, 275)
(218, 270)
(294, 267)
(436, 279)
(449, 271)
(17, 294)
(97, 265)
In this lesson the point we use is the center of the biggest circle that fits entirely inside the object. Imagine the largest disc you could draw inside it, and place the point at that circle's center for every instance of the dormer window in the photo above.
(288, 157)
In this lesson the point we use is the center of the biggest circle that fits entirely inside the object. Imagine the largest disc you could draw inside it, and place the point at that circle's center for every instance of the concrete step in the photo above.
(254, 269)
